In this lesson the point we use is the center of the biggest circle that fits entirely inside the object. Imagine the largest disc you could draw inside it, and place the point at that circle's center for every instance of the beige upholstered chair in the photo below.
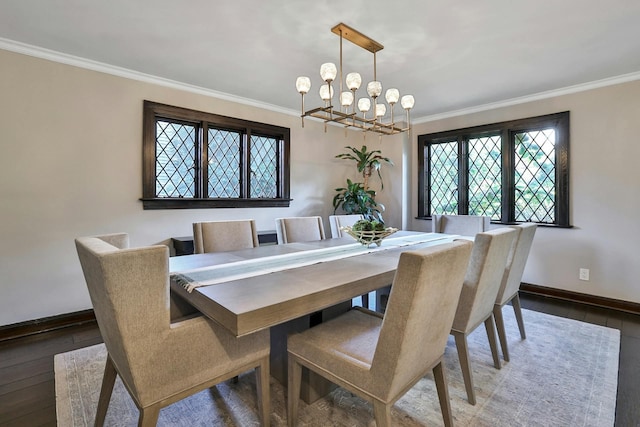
(299, 229)
(222, 236)
(381, 359)
(160, 362)
(337, 221)
(464, 225)
(511, 282)
(481, 284)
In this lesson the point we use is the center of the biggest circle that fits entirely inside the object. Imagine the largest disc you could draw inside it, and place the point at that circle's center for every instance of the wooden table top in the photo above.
(248, 305)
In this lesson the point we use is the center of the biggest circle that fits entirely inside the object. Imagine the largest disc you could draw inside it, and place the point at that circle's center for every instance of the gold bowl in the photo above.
(369, 237)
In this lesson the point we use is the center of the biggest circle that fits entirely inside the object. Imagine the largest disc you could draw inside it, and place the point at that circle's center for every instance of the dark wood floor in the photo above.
(27, 396)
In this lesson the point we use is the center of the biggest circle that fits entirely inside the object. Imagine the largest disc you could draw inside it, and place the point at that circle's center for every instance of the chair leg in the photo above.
(293, 392)
(502, 334)
(365, 300)
(382, 413)
(463, 356)
(518, 312)
(108, 380)
(493, 342)
(443, 394)
(264, 395)
(149, 416)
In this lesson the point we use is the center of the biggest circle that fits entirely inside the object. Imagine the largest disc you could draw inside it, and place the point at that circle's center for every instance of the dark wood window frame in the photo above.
(558, 121)
(154, 111)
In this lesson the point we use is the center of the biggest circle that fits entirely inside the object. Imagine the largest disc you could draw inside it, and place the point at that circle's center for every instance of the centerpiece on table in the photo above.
(368, 232)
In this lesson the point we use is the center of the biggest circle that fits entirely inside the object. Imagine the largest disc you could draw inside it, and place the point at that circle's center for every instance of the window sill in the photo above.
(428, 218)
(189, 203)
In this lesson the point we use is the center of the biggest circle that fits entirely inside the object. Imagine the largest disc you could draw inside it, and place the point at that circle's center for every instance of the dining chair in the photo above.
(338, 221)
(159, 361)
(478, 296)
(299, 229)
(511, 279)
(464, 225)
(223, 236)
(380, 358)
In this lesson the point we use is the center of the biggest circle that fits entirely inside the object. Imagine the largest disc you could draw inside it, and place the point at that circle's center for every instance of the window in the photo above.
(514, 172)
(193, 159)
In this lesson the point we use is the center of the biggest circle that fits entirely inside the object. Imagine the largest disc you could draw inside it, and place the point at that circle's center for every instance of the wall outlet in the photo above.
(584, 274)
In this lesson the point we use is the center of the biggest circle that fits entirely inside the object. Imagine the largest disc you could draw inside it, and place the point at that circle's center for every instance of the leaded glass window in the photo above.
(193, 159)
(485, 177)
(443, 165)
(175, 165)
(535, 176)
(263, 166)
(513, 172)
(224, 163)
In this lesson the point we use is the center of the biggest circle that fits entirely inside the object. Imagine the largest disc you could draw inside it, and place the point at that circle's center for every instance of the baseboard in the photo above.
(46, 324)
(31, 327)
(615, 304)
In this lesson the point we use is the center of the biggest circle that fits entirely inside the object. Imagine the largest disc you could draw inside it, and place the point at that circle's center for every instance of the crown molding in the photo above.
(534, 97)
(76, 61)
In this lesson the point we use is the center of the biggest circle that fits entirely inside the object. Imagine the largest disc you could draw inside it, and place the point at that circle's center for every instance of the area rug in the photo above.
(563, 374)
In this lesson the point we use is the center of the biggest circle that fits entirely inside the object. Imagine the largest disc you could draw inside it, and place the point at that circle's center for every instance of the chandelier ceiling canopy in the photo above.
(346, 113)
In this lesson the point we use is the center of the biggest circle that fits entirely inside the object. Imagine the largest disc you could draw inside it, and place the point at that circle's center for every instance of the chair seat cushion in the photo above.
(344, 346)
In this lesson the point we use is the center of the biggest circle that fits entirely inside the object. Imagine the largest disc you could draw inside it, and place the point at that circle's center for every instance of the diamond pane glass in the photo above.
(444, 178)
(535, 176)
(485, 177)
(263, 167)
(224, 163)
(175, 159)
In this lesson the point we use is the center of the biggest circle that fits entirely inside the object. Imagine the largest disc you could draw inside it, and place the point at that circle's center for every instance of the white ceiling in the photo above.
(449, 55)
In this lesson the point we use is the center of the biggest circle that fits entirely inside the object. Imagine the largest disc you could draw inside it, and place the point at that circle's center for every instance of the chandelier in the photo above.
(346, 113)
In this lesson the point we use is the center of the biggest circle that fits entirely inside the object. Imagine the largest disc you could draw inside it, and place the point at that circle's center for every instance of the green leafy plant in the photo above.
(366, 225)
(367, 162)
(355, 199)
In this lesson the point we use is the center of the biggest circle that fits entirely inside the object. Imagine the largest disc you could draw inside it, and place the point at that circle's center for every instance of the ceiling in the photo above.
(450, 55)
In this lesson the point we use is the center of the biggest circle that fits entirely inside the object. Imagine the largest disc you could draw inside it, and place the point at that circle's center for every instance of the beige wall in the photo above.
(70, 165)
(605, 192)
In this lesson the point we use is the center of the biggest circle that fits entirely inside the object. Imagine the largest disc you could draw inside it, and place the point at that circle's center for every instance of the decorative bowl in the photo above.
(369, 237)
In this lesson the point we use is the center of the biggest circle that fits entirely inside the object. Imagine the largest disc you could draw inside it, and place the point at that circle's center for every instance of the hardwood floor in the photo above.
(27, 395)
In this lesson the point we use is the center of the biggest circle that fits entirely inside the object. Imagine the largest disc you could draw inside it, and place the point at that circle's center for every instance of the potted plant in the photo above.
(357, 197)
(367, 162)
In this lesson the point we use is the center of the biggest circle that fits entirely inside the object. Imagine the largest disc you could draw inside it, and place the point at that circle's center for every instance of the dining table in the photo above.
(290, 287)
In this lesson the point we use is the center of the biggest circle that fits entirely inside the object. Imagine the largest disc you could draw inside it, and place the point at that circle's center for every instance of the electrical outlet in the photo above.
(584, 274)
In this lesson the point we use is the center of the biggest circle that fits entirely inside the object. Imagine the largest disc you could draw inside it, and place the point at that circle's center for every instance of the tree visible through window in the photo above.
(512, 171)
(193, 159)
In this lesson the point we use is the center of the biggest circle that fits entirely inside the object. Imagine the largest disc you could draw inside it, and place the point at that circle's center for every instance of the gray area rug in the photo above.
(563, 374)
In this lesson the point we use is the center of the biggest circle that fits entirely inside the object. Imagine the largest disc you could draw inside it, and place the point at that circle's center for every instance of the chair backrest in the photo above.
(129, 290)
(418, 319)
(337, 221)
(299, 229)
(223, 236)
(483, 278)
(464, 225)
(516, 262)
